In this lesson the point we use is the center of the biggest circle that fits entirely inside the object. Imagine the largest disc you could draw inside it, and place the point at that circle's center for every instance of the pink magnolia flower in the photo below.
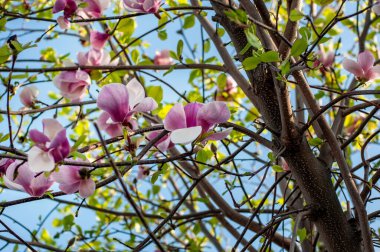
(26, 180)
(69, 7)
(28, 96)
(163, 58)
(96, 57)
(164, 143)
(326, 60)
(119, 103)
(284, 164)
(98, 39)
(74, 178)
(376, 8)
(63, 23)
(196, 119)
(229, 90)
(143, 6)
(93, 8)
(4, 164)
(363, 69)
(143, 172)
(51, 146)
(72, 84)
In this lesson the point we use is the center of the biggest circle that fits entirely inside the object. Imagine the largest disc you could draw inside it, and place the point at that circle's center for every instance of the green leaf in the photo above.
(277, 168)
(127, 26)
(251, 63)
(3, 21)
(296, 15)
(78, 155)
(315, 141)
(79, 142)
(299, 46)
(5, 53)
(323, 2)
(253, 40)
(189, 22)
(156, 189)
(302, 234)
(155, 176)
(271, 157)
(156, 92)
(17, 45)
(163, 35)
(179, 48)
(270, 56)
(4, 138)
(204, 155)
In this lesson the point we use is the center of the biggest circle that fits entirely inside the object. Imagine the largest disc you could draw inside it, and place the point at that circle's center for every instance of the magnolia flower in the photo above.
(163, 58)
(119, 103)
(63, 23)
(363, 69)
(143, 6)
(284, 164)
(98, 39)
(229, 90)
(69, 7)
(26, 180)
(196, 120)
(28, 96)
(143, 172)
(74, 178)
(376, 8)
(4, 164)
(51, 146)
(96, 57)
(93, 8)
(72, 84)
(326, 60)
(164, 143)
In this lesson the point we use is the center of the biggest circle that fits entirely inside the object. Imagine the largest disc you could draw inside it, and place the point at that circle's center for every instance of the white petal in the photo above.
(185, 135)
(136, 92)
(51, 128)
(39, 160)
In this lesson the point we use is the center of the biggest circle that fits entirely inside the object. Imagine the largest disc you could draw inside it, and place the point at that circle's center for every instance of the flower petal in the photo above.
(67, 174)
(39, 185)
(114, 99)
(112, 129)
(39, 160)
(175, 119)
(51, 127)
(213, 113)
(191, 112)
(86, 188)
(219, 135)
(366, 60)
(186, 135)
(38, 137)
(98, 39)
(59, 5)
(146, 104)
(60, 146)
(353, 67)
(136, 92)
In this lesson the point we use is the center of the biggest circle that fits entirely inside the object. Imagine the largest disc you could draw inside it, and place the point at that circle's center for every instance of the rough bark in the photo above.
(311, 175)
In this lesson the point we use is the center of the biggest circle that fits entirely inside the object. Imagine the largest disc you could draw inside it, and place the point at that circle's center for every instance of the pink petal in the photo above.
(185, 135)
(28, 96)
(63, 23)
(213, 113)
(60, 146)
(112, 129)
(39, 185)
(51, 128)
(366, 60)
(59, 5)
(191, 112)
(219, 135)
(176, 118)
(136, 92)
(353, 67)
(39, 138)
(67, 174)
(69, 188)
(147, 104)
(373, 73)
(39, 160)
(114, 99)
(86, 188)
(23, 177)
(98, 39)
